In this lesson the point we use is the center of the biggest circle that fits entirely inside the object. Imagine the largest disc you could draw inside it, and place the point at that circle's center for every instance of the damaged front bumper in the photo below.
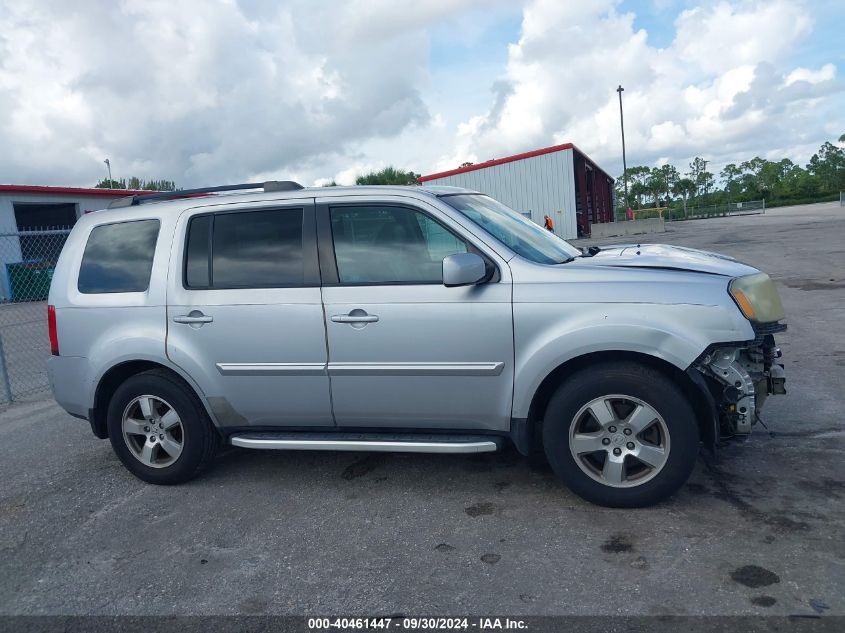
(740, 377)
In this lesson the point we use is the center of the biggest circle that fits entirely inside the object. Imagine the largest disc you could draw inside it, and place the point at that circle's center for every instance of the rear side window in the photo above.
(246, 249)
(118, 257)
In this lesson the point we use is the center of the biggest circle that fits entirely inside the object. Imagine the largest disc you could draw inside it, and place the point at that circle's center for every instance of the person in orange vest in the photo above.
(548, 224)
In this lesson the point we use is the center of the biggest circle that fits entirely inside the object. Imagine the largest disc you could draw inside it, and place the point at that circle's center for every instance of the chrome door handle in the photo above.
(347, 318)
(193, 317)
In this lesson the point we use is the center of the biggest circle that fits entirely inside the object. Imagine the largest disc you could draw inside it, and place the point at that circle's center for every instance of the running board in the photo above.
(386, 442)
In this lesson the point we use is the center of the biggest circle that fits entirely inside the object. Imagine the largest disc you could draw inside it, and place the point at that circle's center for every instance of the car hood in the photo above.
(668, 257)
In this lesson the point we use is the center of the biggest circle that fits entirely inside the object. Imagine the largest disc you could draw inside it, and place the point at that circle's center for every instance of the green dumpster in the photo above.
(29, 281)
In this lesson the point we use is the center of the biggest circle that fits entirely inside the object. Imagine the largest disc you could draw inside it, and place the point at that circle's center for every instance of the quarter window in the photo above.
(247, 249)
(390, 245)
(118, 257)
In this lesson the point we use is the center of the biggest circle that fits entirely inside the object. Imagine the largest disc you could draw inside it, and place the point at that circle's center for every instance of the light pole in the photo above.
(704, 175)
(108, 164)
(620, 89)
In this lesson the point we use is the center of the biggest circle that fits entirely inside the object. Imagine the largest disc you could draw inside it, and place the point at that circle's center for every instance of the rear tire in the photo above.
(159, 429)
(621, 435)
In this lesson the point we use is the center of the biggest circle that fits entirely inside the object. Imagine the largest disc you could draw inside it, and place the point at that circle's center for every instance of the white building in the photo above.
(559, 181)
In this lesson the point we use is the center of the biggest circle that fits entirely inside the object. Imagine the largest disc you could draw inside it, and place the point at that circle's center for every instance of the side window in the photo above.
(246, 249)
(390, 244)
(439, 241)
(118, 257)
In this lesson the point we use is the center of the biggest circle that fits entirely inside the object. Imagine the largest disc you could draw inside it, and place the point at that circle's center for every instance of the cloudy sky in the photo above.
(212, 91)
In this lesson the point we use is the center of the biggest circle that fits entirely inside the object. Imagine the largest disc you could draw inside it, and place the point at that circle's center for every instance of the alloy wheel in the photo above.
(619, 441)
(153, 432)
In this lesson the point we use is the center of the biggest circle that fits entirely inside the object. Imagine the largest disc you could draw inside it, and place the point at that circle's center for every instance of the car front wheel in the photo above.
(621, 435)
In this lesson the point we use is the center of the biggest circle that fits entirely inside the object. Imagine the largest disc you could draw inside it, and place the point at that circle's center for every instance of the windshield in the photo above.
(521, 235)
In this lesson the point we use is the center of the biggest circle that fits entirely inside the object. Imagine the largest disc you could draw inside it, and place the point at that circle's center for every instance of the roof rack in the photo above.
(269, 186)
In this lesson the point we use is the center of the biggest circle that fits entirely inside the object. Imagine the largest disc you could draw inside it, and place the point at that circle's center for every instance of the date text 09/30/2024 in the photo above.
(416, 624)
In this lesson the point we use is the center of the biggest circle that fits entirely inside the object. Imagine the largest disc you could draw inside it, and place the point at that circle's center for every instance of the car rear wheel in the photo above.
(159, 429)
(621, 435)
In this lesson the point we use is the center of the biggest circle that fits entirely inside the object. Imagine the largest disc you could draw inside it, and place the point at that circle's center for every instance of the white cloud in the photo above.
(211, 91)
(202, 91)
(825, 73)
(723, 89)
(720, 37)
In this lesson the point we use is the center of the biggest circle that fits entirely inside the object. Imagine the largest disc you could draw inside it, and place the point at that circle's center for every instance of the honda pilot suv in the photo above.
(415, 319)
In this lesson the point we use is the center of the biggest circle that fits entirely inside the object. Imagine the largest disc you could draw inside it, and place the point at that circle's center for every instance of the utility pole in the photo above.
(620, 89)
(108, 164)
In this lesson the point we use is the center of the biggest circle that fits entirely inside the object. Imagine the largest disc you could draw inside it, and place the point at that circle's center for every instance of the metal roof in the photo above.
(497, 161)
(510, 159)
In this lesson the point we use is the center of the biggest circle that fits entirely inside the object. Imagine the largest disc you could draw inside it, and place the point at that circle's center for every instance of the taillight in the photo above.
(51, 327)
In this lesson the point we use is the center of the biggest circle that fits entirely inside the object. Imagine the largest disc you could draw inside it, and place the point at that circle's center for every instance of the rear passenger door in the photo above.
(245, 317)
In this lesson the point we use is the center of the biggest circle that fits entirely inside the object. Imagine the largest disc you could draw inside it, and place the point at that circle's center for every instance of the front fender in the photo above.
(548, 335)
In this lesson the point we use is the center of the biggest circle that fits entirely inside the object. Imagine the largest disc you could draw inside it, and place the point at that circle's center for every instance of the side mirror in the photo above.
(463, 269)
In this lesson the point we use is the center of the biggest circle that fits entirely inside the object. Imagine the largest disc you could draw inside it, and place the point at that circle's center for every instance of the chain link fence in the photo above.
(753, 207)
(27, 261)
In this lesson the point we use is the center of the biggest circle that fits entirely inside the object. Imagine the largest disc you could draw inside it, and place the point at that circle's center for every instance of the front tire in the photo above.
(621, 435)
(159, 429)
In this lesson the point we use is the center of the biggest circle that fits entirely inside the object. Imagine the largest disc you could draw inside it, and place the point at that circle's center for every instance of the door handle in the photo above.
(348, 318)
(194, 317)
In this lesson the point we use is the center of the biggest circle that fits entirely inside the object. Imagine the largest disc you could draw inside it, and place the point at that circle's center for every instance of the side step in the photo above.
(386, 442)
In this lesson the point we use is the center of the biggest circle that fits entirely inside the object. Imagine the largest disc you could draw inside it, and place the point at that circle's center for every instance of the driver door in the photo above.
(404, 350)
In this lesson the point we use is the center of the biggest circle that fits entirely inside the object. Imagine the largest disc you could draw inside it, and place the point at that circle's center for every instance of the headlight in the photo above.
(757, 297)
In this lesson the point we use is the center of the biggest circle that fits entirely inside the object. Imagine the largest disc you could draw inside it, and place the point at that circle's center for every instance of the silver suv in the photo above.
(419, 319)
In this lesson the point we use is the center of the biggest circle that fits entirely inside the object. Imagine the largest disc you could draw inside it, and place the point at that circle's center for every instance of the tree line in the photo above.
(137, 184)
(776, 182)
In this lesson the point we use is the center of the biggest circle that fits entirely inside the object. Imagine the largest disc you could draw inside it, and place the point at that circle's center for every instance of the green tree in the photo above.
(828, 166)
(137, 184)
(388, 176)
(706, 182)
(670, 175)
(105, 183)
(696, 168)
(730, 175)
(776, 181)
(656, 184)
(637, 187)
(684, 187)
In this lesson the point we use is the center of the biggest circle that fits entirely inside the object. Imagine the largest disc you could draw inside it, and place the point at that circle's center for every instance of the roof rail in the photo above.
(269, 186)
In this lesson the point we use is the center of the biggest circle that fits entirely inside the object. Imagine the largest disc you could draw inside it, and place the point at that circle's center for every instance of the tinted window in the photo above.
(251, 249)
(118, 257)
(390, 244)
(197, 262)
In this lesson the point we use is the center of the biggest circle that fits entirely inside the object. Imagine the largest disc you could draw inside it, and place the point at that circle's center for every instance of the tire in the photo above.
(624, 395)
(181, 447)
